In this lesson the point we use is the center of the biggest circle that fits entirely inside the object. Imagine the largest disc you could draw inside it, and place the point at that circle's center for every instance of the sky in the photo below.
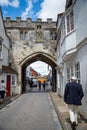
(32, 8)
(41, 67)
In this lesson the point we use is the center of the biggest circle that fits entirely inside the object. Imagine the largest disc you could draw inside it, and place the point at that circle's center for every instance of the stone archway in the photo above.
(39, 56)
(31, 41)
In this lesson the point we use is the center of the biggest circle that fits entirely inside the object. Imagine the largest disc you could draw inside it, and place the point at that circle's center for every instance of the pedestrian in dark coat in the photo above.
(72, 96)
(44, 84)
(39, 85)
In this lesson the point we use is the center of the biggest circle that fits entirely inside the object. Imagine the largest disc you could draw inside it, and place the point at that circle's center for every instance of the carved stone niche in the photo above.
(39, 34)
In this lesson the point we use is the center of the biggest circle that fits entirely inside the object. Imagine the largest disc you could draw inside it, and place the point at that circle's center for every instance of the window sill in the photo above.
(69, 33)
(13, 85)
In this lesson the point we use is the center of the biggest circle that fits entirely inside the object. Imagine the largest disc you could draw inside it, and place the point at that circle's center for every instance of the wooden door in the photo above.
(8, 85)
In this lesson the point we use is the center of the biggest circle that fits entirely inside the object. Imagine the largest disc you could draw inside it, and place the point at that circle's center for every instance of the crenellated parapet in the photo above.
(28, 23)
(35, 31)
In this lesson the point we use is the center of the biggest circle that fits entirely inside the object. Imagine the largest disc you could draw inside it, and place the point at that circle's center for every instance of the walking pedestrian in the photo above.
(39, 85)
(31, 84)
(44, 84)
(2, 91)
(72, 96)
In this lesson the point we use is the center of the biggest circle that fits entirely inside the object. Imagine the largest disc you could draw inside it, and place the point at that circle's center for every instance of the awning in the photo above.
(8, 69)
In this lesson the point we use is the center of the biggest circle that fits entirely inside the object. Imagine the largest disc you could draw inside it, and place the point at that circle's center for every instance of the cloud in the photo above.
(40, 67)
(13, 3)
(28, 11)
(50, 9)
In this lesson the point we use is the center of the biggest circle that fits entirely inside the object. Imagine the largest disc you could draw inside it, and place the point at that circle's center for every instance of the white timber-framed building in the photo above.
(72, 47)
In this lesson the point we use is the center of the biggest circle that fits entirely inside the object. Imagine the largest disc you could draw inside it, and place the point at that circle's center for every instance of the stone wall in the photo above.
(29, 37)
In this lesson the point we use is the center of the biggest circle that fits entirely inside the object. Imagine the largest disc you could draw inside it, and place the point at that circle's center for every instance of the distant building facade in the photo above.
(31, 73)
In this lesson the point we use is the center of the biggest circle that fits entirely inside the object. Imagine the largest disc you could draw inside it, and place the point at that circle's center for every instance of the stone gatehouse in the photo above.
(31, 41)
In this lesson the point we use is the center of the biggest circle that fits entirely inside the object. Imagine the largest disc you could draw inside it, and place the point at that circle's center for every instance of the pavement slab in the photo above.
(63, 114)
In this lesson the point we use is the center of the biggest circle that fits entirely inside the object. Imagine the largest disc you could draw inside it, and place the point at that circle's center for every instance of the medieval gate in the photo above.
(31, 41)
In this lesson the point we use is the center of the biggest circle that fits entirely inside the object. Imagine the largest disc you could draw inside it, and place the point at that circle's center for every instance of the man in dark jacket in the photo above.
(72, 96)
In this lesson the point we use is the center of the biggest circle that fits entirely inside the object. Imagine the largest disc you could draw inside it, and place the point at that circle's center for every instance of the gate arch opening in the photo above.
(38, 57)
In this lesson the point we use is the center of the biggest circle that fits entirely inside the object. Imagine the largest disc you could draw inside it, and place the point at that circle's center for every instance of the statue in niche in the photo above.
(39, 34)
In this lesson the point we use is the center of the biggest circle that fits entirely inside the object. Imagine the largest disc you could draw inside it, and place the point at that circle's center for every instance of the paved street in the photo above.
(31, 111)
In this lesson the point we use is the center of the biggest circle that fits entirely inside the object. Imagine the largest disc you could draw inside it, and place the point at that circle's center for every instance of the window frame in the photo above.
(15, 80)
(23, 35)
(72, 71)
(77, 71)
(68, 74)
(1, 50)
(63, 32)
(70, 22)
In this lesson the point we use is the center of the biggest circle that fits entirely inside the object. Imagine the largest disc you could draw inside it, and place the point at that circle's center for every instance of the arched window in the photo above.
(53, 35)
(38, 26)
(23, 35)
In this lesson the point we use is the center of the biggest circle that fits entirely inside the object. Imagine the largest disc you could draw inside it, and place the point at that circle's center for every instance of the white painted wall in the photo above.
(5, 41)
(81, 57)
(71, 41)
(80, 20)
(76, 39)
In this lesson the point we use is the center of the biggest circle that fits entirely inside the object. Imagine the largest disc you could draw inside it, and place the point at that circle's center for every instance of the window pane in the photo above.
(77, 71)
(68, 74)
(71, 21)
(21, 35)
(13, 80)
(0, 48)
(72, 71)
(68, 28)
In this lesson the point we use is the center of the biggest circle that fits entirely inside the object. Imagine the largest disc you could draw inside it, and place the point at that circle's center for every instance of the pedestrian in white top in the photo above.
(2, 91)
